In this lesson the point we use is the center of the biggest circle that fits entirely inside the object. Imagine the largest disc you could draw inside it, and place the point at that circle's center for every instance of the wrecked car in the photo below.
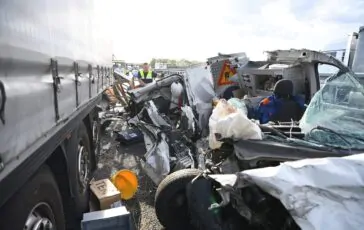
(330, 127)
(172, 113)
(293, 195)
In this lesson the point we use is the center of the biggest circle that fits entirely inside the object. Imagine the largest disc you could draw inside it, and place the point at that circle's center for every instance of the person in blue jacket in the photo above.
(282, 106)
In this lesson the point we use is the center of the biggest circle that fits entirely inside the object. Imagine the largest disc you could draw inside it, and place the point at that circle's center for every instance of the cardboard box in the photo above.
(105, 192)
(110, 219)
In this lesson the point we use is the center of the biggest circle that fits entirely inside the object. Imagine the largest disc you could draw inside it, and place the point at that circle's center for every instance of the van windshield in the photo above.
(338, 107)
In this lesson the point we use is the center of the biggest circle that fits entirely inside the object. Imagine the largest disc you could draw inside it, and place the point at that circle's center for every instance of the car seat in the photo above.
(288, 108)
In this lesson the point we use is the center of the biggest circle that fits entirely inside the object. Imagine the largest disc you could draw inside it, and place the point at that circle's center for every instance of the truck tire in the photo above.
(81, 162)
(171, 202)
(38, 201)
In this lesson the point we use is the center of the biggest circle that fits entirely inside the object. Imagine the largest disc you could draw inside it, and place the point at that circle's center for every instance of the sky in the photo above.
(198, 29)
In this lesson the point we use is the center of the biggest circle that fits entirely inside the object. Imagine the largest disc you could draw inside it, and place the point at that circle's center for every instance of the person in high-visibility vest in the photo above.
(144, 76)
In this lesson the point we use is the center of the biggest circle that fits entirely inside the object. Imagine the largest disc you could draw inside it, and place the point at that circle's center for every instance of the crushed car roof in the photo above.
(302, 55)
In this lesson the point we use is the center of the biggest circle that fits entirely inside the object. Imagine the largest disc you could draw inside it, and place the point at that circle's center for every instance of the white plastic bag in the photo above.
(238, 104)
(231, 122)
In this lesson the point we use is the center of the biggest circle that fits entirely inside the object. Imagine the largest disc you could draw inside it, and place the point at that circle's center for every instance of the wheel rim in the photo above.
(40, 218)
(83, 167)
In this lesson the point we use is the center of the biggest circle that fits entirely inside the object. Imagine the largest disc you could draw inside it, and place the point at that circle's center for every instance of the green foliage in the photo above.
(171, 63)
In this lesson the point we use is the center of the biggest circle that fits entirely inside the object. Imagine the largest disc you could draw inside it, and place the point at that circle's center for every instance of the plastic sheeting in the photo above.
(326, 193)
(230, 122)
(239, 104)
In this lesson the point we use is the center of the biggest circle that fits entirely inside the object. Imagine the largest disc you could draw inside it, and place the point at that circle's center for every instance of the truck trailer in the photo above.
(55, 62)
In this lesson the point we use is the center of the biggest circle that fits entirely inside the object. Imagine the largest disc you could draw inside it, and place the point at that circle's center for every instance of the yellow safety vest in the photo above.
(149, 75)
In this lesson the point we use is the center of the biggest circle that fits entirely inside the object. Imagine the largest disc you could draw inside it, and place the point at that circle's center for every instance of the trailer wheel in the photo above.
(37, 205)
(171, 202)
(81, 165)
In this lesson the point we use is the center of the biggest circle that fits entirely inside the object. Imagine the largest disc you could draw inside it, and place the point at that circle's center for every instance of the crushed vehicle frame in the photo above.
(299, 66)
(172, 113)
(298, 62)
(285, 142)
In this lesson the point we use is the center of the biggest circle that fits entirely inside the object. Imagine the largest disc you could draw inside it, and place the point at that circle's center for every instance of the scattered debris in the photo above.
(126, 182)
(114, 218)
(259, 129)
(309, 189)
(106, 147)
(141, 207)
(105, 192)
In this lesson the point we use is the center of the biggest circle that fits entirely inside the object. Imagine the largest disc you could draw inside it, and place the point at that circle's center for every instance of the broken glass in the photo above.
(339, 108)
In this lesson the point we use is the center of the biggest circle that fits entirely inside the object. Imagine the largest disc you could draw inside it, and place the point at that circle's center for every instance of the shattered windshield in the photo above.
(335, 116)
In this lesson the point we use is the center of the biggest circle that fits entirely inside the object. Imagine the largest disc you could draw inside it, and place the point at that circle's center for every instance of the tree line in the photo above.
(172, 63)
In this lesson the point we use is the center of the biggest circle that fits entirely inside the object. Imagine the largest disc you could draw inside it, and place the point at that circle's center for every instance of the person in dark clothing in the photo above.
(145, 75)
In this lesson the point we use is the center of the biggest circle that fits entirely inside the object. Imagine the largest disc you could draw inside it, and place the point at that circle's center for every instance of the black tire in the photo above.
(40, 189)
(80, 191)
(199, 194)
(171, 202)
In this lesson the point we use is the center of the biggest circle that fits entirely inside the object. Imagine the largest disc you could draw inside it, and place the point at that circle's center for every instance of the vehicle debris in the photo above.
(105, 192)
(308, 189)
(181, 105)
(273, 121)
(278, 139)
(126, 182)
(107, 146)
(231, 122)
(169, 128)
(115, 218)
